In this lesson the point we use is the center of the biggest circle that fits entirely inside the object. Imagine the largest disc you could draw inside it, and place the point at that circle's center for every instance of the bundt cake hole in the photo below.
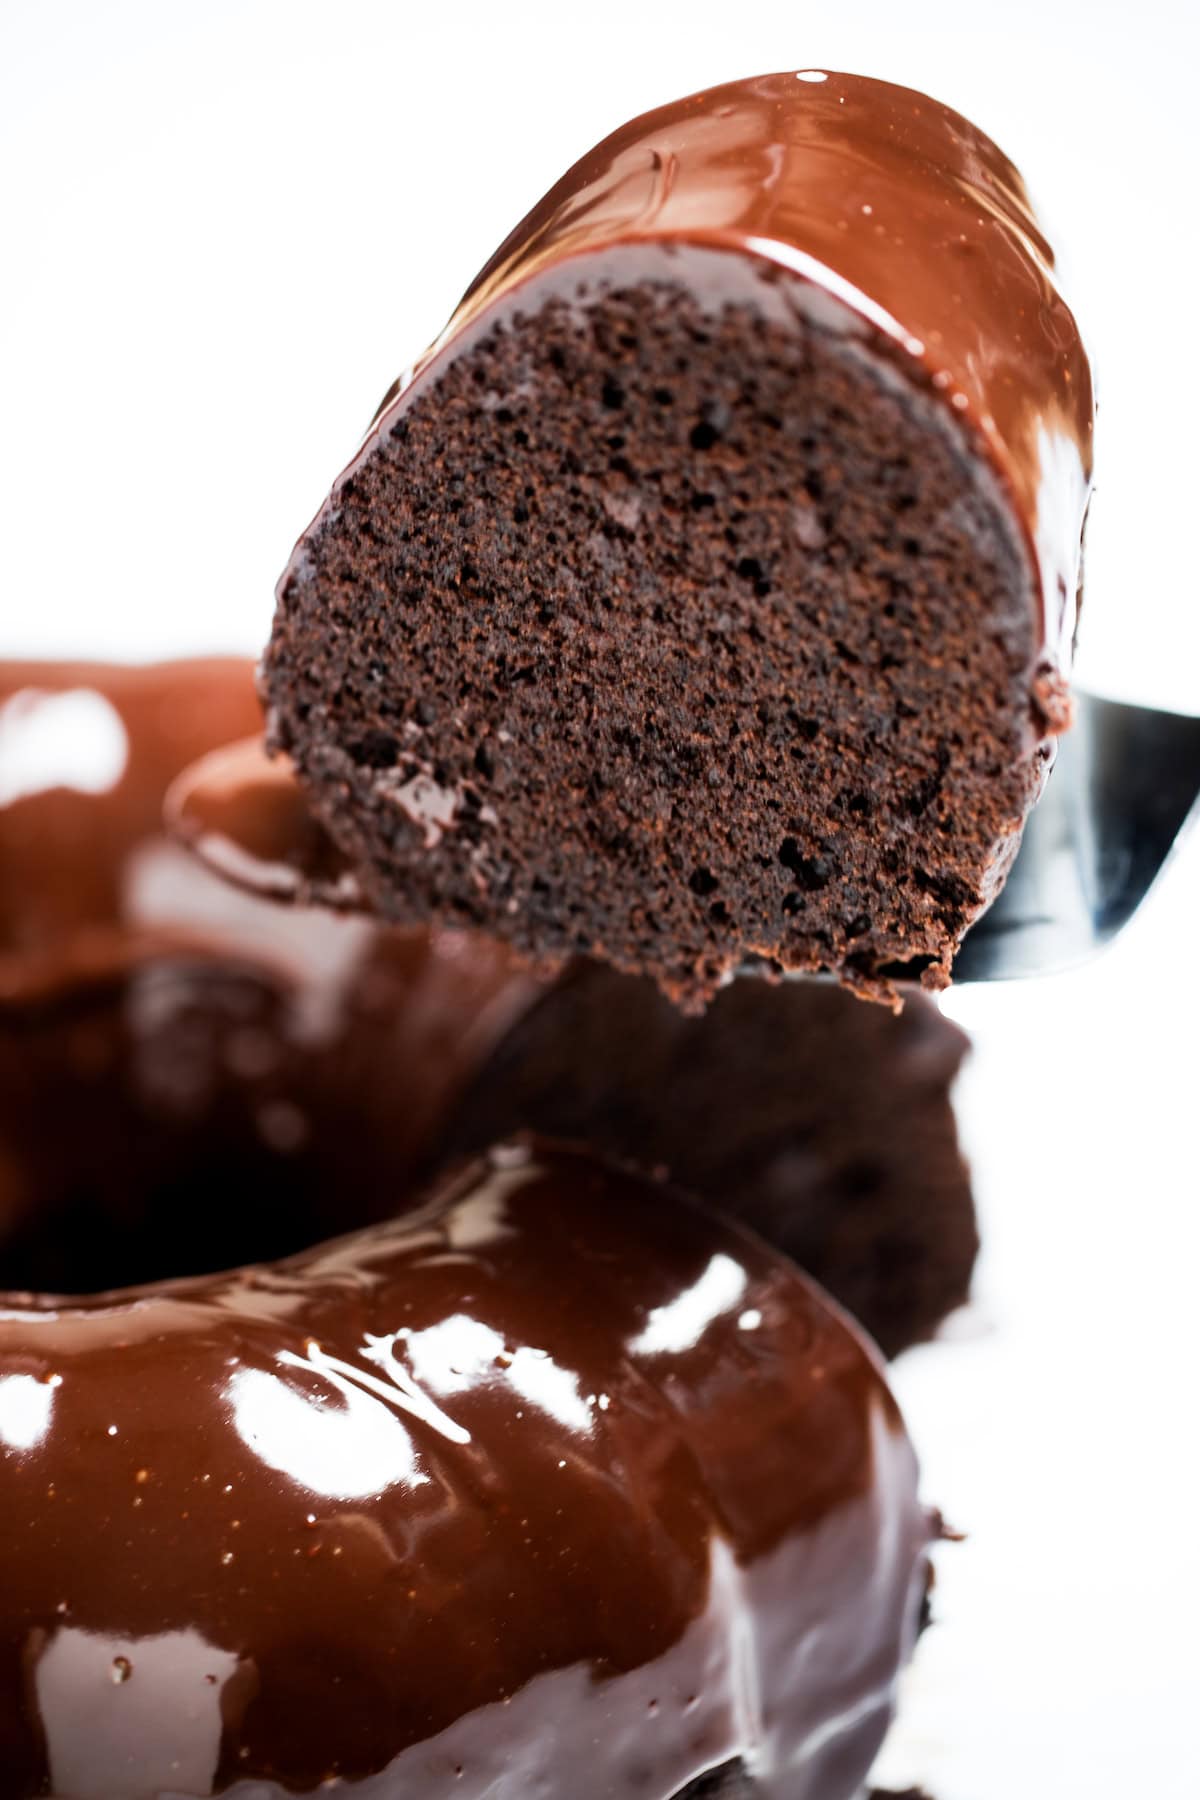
(177, 1140)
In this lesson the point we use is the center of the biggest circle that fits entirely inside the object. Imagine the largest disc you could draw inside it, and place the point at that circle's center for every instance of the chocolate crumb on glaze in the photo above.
(543, 1488)
(825, 1125)
(707, 591)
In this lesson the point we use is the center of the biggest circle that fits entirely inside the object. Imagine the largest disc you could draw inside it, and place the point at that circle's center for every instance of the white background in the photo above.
(225, 227)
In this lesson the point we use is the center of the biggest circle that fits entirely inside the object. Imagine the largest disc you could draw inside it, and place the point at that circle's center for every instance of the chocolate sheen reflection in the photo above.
(543, 1489)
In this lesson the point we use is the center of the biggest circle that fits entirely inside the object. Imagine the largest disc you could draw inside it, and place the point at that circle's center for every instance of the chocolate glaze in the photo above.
(901, 220)
(543, 1489)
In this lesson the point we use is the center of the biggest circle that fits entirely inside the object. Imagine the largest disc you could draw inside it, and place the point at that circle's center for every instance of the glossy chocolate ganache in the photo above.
(542, 1489)
(707, 591)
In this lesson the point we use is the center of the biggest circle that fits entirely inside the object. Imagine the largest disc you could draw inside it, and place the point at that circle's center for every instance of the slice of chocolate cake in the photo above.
(824, 1124)
(707, 592)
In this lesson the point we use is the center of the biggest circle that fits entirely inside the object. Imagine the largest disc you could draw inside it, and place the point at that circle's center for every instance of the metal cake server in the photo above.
(1123, 784)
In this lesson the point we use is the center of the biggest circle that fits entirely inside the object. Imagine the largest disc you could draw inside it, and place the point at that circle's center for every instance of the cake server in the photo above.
(1123, 785)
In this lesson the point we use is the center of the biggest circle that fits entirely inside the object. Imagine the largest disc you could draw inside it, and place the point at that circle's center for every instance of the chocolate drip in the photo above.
(543, 1489)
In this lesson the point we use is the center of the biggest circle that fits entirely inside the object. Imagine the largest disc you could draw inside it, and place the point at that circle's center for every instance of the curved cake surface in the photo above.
(540, 1488)
(708, 590)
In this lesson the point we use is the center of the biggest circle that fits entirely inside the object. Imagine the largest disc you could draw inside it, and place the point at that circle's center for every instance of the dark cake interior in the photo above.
(671, 633)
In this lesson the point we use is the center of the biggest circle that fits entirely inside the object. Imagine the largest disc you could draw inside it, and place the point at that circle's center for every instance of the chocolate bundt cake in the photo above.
(706, 593)
(701, 602)
(555, 1458)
